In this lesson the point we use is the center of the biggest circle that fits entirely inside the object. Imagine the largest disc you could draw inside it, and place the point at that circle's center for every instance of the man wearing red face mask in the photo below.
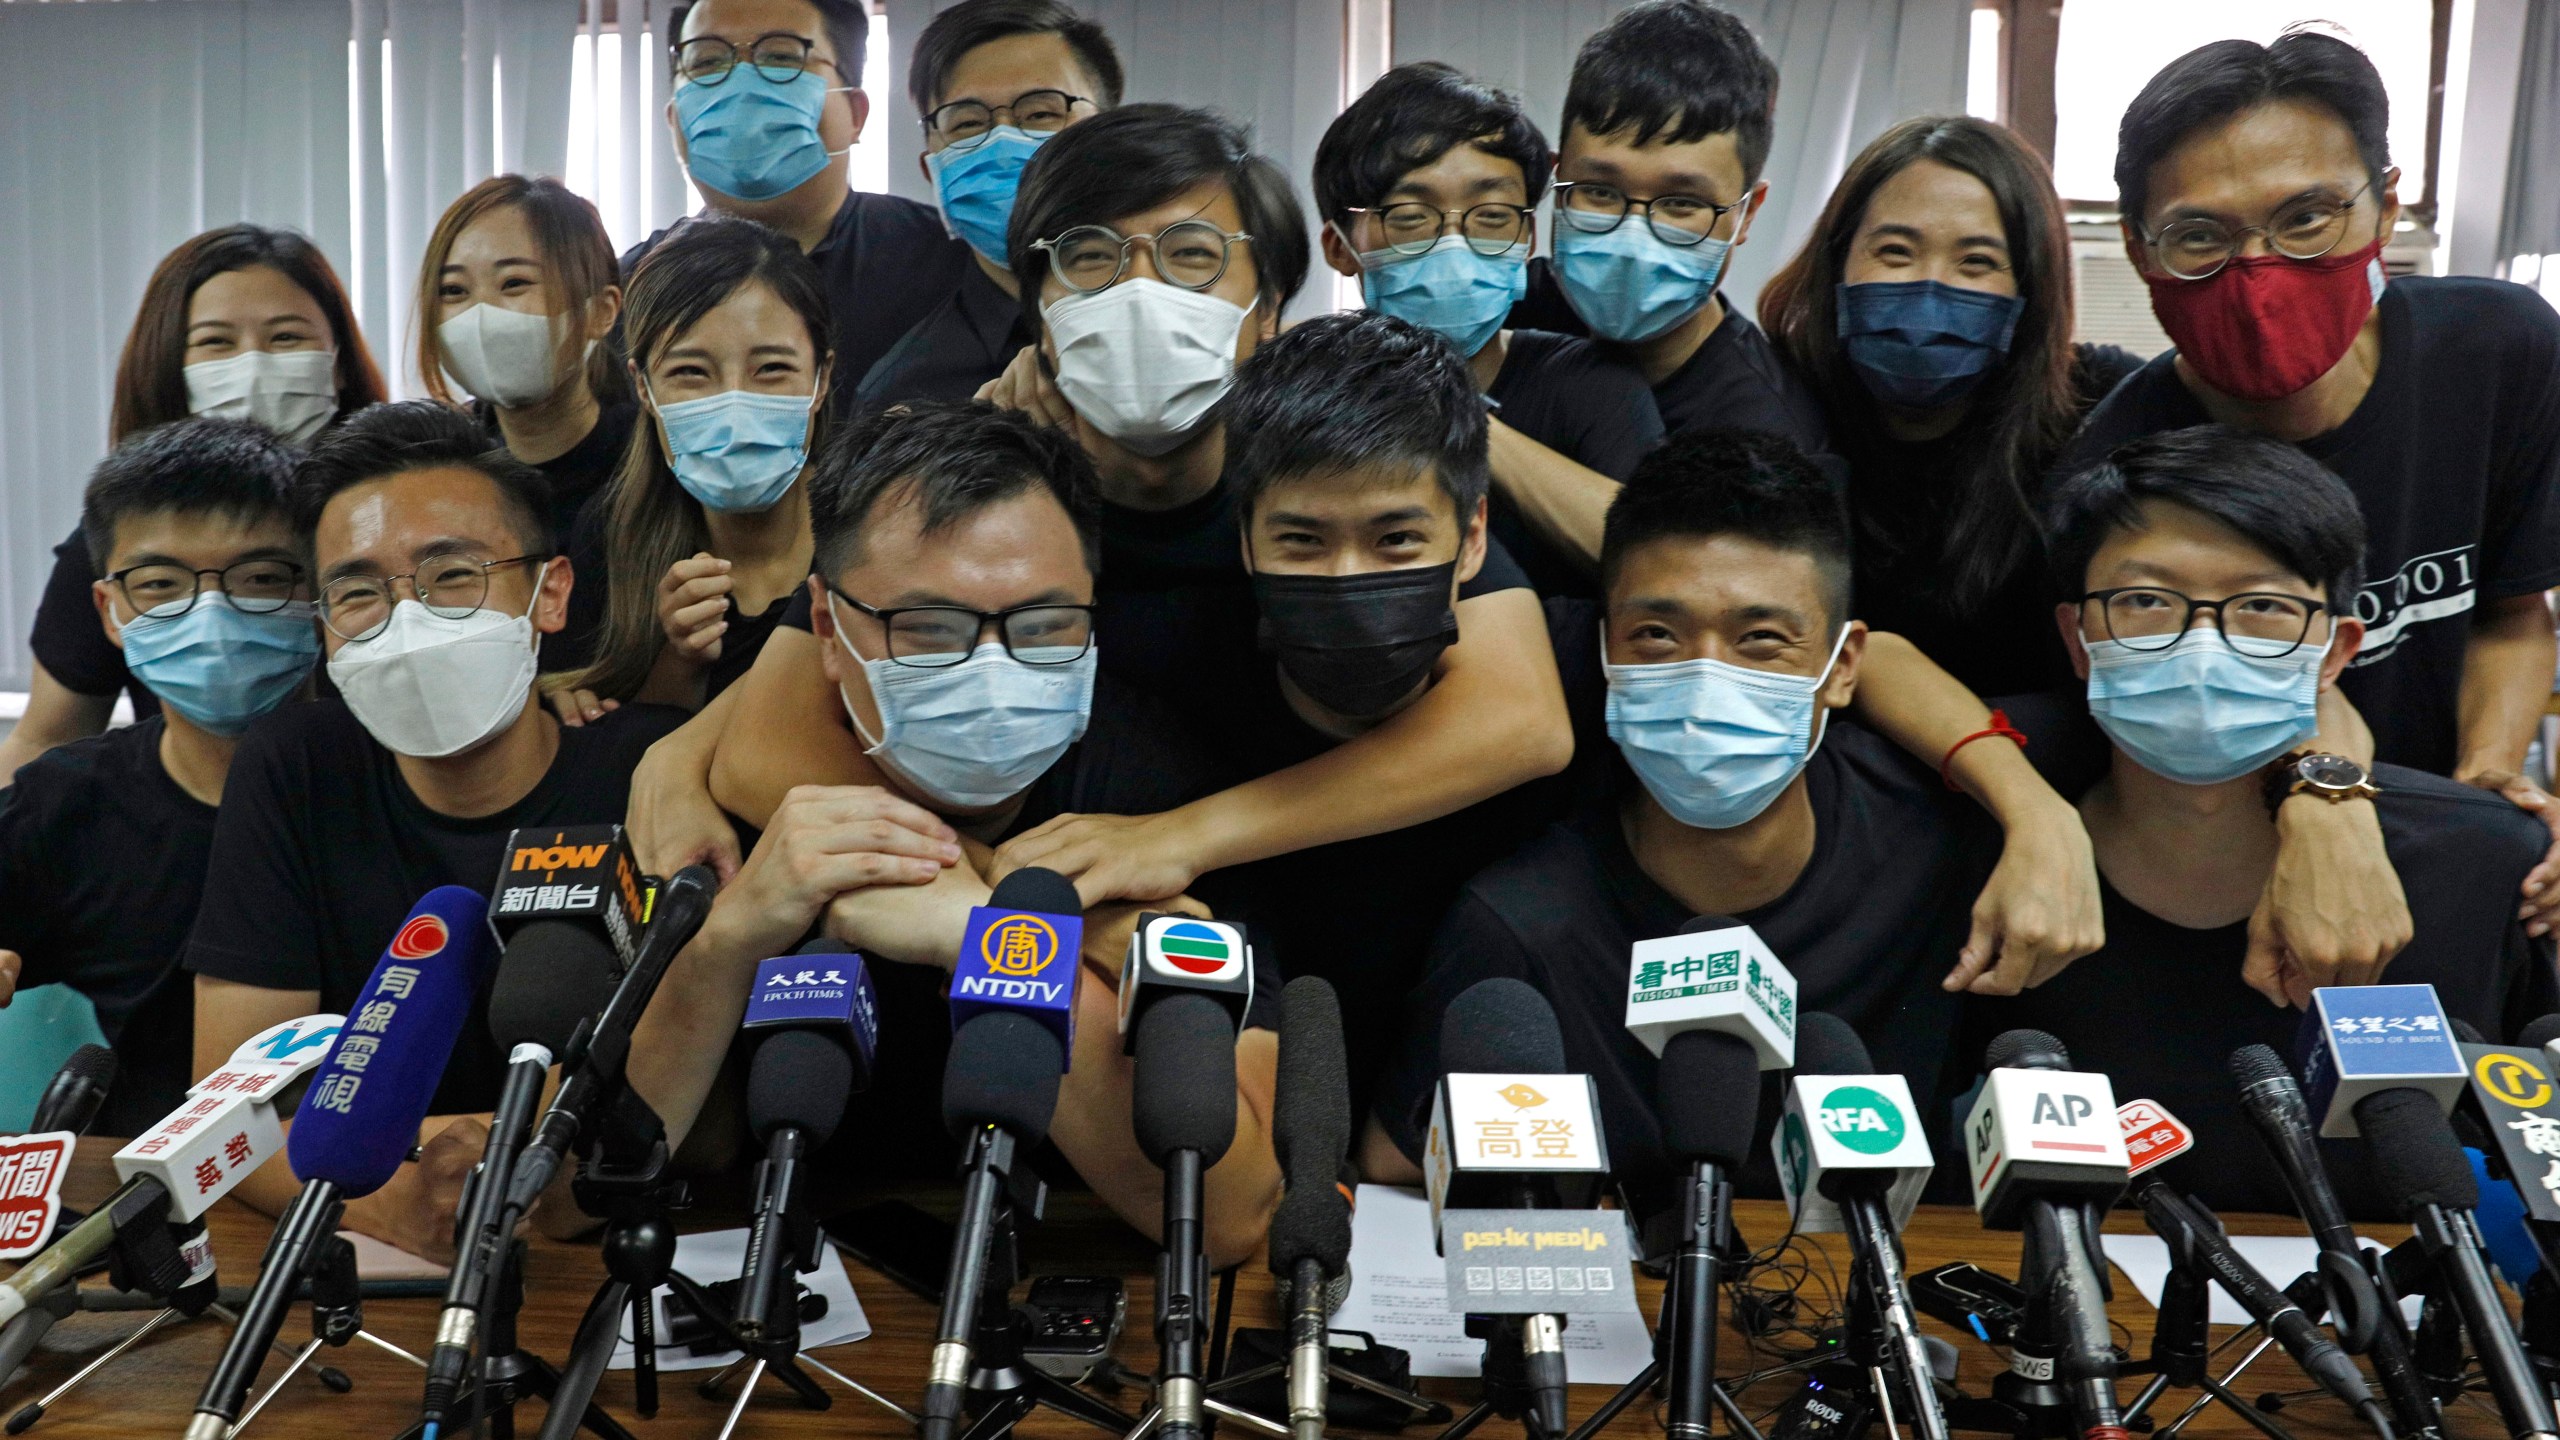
(2257, 193)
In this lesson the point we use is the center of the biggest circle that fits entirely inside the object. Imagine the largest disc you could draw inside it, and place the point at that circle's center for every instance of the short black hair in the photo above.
(1356, 388)
(1678, 70)
(847, 23)
(1746, 483)
(236, 469)
(398, 436)
(972, 23)
(1415, 114)
(2214, 82)
(1138, 157)
(958, 457)
(2274, 496)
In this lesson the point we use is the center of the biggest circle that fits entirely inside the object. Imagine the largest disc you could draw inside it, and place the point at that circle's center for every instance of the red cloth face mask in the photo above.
(2264, 326)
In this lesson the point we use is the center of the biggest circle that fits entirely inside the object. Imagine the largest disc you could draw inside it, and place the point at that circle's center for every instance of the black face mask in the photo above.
(1357, 643)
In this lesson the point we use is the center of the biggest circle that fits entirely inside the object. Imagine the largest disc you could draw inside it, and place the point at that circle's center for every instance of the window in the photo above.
(2107, 51)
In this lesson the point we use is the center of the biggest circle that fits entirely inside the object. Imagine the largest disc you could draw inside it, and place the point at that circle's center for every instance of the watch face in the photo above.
(2332, 772)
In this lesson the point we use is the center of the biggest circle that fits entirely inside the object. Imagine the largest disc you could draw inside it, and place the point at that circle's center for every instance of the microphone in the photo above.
(1311, 1228)
(2360, 1040)
(820, 1022)
(2046, 1156)
(1853, 1156)
(578, 877)
(360, 1118)
(1502, 1083)
(592, 1074)
(1013, 1033)
(274, 1066)
(1171, 955)
(1183, 1110)
(2417, 1162)
(32, 1165)
(72, 1097)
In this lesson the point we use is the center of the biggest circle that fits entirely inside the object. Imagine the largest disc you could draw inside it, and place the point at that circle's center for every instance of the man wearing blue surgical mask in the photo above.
(992, 81)
(2210, 570)
(765, 102)
(104, 841)
(1729, 655)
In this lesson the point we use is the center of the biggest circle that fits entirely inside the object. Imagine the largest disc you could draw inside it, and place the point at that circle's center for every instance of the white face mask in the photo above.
(292, 392)
(505, 357)
(428, 687)
(1143, 361)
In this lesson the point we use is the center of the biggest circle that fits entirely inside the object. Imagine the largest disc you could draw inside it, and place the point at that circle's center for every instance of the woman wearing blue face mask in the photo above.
(706, 527)
(1931, 310)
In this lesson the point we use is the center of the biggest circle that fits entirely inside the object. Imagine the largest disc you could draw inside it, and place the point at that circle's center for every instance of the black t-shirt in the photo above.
(579, 476)
(965, 341)
(103, 858)
(2161, 1007)
(68, 641)
(1869, 929)
(1901, 499)
(744, 638)
(1591, 408)
(322, 849)
(887, 262)
(2454, 455)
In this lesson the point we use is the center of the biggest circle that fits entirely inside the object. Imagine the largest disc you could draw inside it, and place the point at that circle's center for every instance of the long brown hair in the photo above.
(2024, 411)
(650, 520)
(151, 382)
(576, 252)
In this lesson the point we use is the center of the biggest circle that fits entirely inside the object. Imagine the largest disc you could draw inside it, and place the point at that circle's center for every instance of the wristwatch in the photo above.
(2309, 772)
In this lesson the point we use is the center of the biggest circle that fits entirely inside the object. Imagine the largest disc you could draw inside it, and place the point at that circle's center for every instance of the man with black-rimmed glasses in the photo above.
(436, 580)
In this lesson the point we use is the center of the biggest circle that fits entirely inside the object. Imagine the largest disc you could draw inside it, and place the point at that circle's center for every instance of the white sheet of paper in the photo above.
(2144, 1259)
(716, 1255)
(381, 1260)
(1400, 1293)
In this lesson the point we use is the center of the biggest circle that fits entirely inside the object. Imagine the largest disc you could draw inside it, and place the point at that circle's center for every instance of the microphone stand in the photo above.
(337, 1315)
(1307, 1412)
(1684, 1341)
(1000, 1387)
(1181, 1283)
(2182, 1349)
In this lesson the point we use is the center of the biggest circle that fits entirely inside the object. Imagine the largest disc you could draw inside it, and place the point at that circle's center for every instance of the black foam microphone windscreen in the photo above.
(1498, 1027)
(799, 1078)
(1004, 1070)
(553, 975)
(1311, 1111)
(2414, 1156)
(2540, 1033)
(2026, 1049)
(1184, 1092)
(1708, 1093)
(1032, 888)
(1825, 1045)
(72, 1097)
(2466, 1032)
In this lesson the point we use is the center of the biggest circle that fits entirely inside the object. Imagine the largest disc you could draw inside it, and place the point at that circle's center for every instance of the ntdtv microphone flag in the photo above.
(1023, 962)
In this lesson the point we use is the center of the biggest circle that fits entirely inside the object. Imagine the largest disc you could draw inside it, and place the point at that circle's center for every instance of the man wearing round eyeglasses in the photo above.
(954, 594)
(2258, 195)
(436, 582)
(2212, 570)
(104, 842)
(765, 103)
(1429, 185)
(992, 81)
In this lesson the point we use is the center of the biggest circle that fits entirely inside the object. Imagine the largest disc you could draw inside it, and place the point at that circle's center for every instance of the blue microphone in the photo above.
(360, 1118)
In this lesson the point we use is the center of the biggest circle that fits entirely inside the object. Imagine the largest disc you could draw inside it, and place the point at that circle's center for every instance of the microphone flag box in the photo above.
(31, 1171)
(2515, 1092)
(2152, 1136)
(1849, 1122)
(1713, 980)
(267, 1062)
(2359, 1039)
(571, 872)
(1491, 1133)
(1538, 1262)
(202, 1149)
(1021, 961)
(1178, 952)
(818, 989)
(2052, 1133)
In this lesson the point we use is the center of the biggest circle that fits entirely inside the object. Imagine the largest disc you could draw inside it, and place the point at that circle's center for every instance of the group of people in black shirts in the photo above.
(866, 553)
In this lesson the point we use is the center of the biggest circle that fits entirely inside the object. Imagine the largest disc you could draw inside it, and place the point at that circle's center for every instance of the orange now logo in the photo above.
(559, 857)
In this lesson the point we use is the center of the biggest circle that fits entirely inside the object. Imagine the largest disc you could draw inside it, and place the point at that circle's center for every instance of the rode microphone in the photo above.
(1311, 1228)
(72, 1097)
(820, 1023)
(2419, 1164)
(1009, 1049)
(1853, 1156)
(570, 877)
(2046, 1156)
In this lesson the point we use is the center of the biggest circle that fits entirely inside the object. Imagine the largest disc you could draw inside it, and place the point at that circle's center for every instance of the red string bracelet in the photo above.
(1999, 726)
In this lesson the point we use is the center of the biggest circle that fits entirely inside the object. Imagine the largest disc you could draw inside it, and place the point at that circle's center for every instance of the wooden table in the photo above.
(151, 1390)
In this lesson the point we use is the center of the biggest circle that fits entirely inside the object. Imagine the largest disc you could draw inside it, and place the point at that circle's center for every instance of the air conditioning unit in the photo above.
(2115, 304)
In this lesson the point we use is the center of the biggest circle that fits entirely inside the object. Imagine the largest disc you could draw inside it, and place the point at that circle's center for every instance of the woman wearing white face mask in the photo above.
(707, 522)
(244, 322)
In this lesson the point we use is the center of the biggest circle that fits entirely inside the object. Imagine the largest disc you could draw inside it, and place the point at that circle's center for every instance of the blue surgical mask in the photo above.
(1449, 289)
(975, 734)
(975, 187)
(1627, 285)
(2201, 712)
(738, 450)
(750, 138)
(1920, 344)
(1715, 743)
(220, 667)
